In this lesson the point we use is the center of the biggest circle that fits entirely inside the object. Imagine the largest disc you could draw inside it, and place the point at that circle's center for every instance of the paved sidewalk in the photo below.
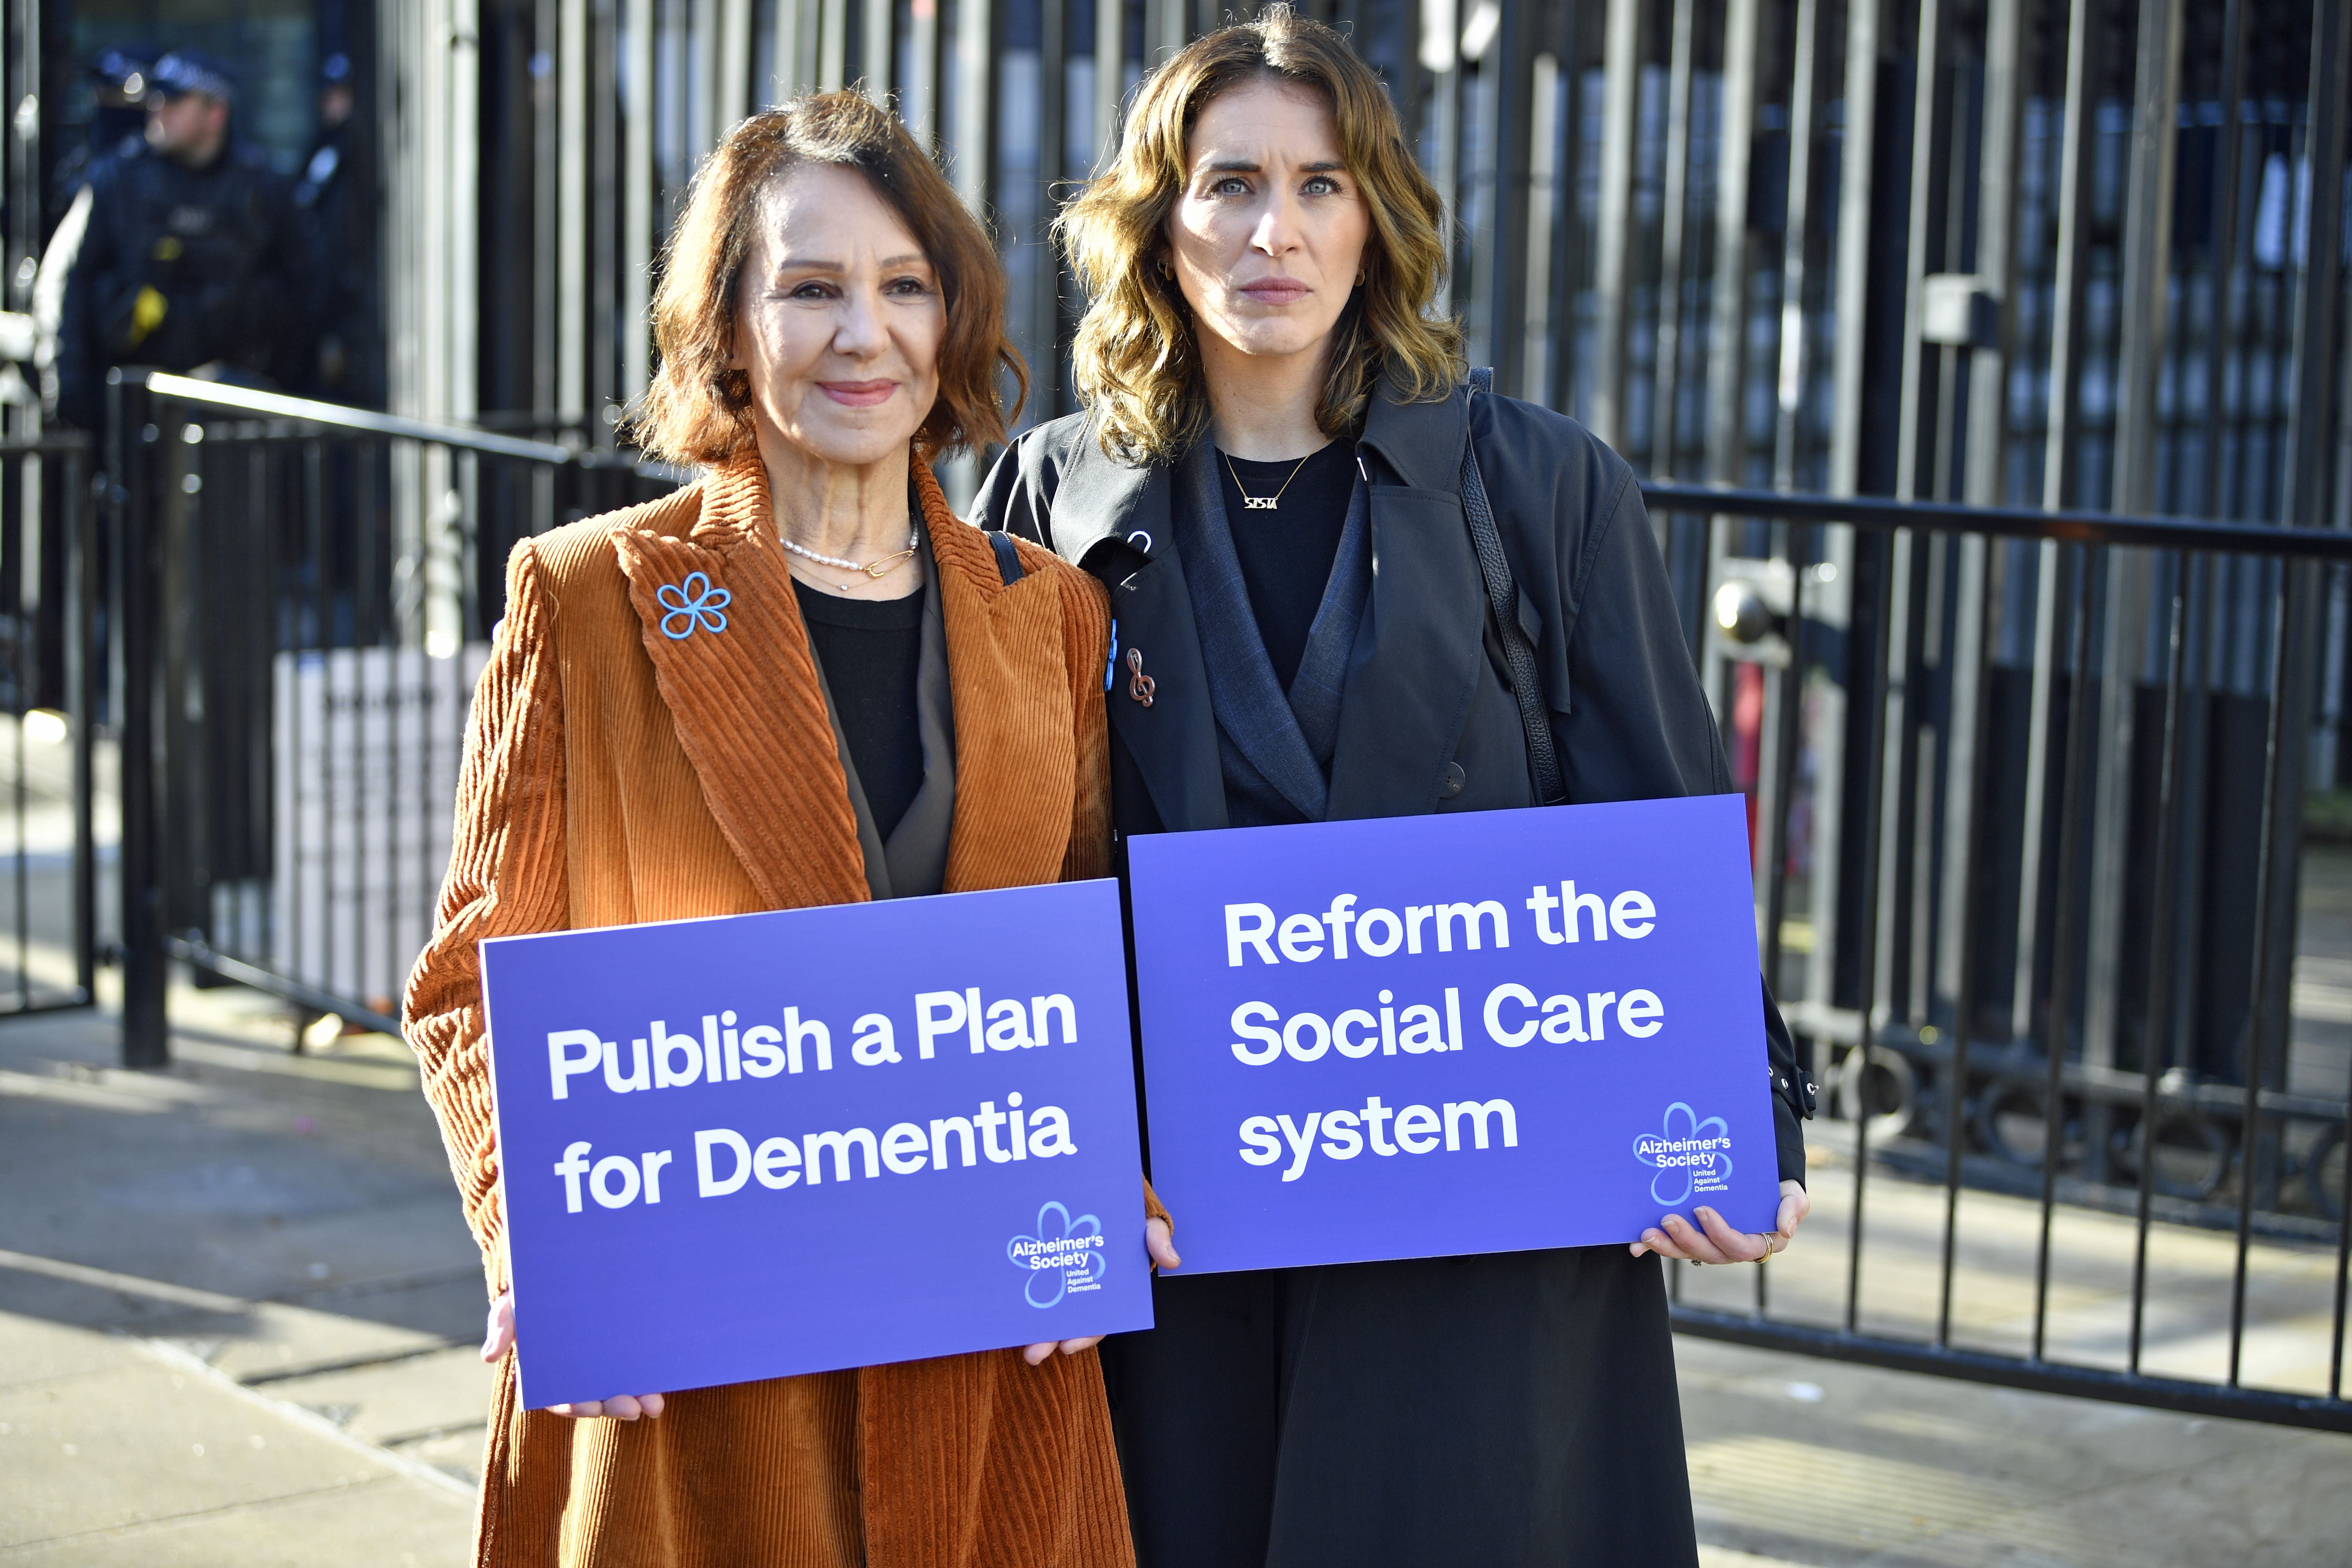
(237, 1311)
(237, 1304)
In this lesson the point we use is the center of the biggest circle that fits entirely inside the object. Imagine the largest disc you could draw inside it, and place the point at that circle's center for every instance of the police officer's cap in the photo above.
(192, 70)
(123, 70)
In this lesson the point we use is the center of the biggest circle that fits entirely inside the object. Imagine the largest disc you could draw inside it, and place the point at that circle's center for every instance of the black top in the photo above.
(871, 650)
(1286, 554)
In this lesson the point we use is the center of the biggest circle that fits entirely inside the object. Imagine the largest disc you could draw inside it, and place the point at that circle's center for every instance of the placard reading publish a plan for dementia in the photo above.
(1426, 1036)
(766, 1145)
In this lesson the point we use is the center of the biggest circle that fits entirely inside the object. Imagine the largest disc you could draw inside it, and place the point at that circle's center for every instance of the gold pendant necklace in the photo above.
(1263, 503)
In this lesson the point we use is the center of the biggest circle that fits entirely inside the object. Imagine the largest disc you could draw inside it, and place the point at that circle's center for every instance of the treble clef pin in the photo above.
(1138, 685)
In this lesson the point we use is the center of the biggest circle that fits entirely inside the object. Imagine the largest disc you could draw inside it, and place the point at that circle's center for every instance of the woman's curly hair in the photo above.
(1135, 361)
(697, 410)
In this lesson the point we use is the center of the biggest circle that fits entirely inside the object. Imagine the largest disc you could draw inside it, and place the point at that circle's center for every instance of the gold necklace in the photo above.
(1263, 503)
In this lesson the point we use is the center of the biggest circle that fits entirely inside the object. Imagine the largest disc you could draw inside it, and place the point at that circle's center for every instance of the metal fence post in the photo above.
(130, 460)
(85, 499)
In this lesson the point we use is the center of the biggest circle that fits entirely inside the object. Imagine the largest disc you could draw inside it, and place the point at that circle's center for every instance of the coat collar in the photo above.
(1416, 658)
(1420, 441)
(742, 689)
(1100, 499)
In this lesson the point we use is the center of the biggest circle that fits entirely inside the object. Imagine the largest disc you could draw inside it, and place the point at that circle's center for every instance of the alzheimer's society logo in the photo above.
(1689, 1155)
(1064, 1258)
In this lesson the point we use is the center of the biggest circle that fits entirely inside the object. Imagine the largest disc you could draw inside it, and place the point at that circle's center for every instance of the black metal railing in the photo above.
(2048, 983)
(51, 652)
(307, 596)
(2057, 881)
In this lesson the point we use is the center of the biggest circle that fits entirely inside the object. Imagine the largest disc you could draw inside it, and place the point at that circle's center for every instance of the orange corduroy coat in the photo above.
(614, 774)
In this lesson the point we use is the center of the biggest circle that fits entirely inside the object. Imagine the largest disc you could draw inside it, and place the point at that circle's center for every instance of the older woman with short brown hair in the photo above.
(861, 698)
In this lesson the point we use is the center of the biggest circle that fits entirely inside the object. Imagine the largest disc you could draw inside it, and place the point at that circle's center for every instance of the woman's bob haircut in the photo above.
(1135, 360)
(699, 411)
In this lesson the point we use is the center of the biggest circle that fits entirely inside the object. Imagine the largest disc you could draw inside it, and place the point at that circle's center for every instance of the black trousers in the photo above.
(1503, 1409)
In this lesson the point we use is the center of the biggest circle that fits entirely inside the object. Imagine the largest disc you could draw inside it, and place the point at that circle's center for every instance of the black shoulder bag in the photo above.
(1503, 595)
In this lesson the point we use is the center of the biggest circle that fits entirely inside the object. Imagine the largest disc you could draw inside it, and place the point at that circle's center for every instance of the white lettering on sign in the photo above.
(1255, 931)
(722, 1053)
(1417, 1129)
(725, 1160)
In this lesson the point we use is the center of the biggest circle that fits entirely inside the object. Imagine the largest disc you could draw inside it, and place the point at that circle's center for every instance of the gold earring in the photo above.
(1360, 273)
(1165, 271)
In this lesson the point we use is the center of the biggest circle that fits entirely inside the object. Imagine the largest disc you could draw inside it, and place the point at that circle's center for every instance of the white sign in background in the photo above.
(366, 750)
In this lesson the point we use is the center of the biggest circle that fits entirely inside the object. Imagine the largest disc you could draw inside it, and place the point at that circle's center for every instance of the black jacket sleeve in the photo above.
(1637, 725)
(1639, 711)
(1630, 720)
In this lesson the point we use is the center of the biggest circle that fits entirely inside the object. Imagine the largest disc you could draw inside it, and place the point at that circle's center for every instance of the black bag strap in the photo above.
(1008, 559)
(1502, 594)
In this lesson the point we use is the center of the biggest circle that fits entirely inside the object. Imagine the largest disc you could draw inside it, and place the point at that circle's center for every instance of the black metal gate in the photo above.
(307, 595)
(2102, 1125)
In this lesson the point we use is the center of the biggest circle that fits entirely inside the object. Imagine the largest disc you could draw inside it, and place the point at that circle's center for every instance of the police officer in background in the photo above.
(193, 260)
(335, 199)
(118, 124)
(117, 115)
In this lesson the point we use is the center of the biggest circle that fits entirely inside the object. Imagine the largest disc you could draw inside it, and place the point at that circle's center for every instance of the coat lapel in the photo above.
(1250, 705)
(732, 660)
(1175, 740)
(1016, 757)
(1416, 662)
(1117, 522)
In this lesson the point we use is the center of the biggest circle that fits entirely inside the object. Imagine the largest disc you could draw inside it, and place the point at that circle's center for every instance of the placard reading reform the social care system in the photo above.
(788, 1143)
(1436, 1034)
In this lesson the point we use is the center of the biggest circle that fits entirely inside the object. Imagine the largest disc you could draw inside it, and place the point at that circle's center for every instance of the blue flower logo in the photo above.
(697, 603)
(1682, 1155)
(1065, 1254)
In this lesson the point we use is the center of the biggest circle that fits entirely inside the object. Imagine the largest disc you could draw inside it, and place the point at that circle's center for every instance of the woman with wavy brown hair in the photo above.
(1308, 522)
(868, 699)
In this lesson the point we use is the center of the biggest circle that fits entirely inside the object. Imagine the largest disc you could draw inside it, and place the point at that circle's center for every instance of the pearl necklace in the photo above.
(877, 569)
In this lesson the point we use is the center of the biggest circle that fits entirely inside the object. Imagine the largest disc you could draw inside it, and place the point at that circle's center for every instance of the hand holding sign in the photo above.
(1159, 1242)
(1676, 1237)
(499, 1338)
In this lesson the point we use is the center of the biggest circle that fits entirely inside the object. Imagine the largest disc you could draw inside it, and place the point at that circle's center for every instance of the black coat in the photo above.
(1522, 1409)
(220, 251)
(1428, 685)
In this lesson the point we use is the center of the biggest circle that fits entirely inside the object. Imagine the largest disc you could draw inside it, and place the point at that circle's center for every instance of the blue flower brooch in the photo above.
(692, 603)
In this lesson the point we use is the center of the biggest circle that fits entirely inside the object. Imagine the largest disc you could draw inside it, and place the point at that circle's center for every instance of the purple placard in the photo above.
(859, 1170)
(1530, 1091)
